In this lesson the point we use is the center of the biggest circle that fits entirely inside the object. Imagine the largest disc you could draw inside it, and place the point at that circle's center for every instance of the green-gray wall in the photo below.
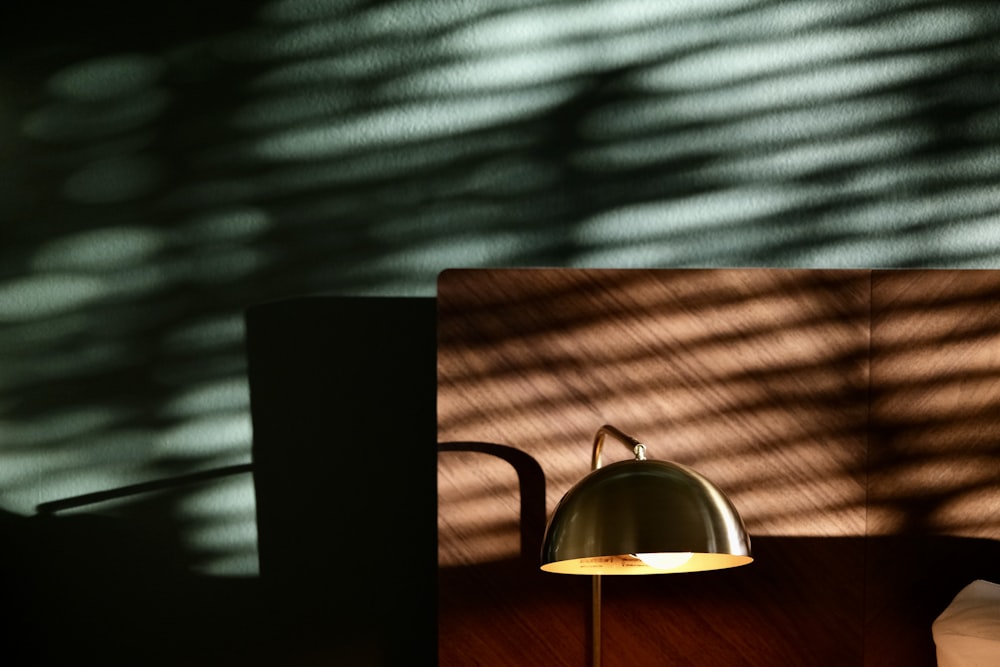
(162, 167)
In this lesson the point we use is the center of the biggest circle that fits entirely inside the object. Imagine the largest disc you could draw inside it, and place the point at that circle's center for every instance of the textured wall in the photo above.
(161, 169)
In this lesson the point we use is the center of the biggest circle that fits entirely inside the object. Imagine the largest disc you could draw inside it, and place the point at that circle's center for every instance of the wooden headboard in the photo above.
(853, 416)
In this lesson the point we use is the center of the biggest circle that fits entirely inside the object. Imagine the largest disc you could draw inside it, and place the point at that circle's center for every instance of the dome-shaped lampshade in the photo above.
(644, 517)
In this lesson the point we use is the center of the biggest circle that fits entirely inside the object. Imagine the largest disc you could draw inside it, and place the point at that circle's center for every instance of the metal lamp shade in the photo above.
(643, 507)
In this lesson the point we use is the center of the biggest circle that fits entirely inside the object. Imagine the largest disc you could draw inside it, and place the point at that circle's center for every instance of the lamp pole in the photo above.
(639, 450)
(595, 621)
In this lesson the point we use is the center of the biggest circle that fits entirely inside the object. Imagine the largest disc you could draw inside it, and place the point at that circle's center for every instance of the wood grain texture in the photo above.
(756, 378)
(851, 415)
(934, 461)
(935, 417)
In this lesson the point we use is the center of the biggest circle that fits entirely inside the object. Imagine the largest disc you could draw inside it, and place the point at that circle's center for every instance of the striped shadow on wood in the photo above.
(848, 413)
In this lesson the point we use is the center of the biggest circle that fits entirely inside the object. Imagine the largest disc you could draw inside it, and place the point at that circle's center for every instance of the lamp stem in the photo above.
(639, 450)
(595, 620)
(637, 447)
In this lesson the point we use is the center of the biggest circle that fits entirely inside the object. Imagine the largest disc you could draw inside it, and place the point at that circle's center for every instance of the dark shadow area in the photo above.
(537, 617)
(804, 601)
(115, 589)
(342, 396)
(911, 579)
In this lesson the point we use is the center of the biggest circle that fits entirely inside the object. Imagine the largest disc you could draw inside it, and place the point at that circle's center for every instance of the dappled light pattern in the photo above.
(935, 446)
(160, 172)
(758, 380)
(826, 403)
(850, 415)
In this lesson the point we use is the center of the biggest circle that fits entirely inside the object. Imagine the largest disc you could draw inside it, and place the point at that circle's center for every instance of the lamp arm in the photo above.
(638, 449)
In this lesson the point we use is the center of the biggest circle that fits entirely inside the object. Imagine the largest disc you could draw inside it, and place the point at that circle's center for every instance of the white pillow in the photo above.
(967, 633)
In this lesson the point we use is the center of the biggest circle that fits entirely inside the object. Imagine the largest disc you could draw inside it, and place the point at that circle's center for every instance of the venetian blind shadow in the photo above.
(268, 148)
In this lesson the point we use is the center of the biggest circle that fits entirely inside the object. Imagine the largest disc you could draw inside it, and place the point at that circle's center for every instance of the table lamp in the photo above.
(641, 517)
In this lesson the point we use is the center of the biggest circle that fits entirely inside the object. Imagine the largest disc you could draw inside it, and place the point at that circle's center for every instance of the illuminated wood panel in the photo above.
(756, 378)
(934, 461)
(745, 375)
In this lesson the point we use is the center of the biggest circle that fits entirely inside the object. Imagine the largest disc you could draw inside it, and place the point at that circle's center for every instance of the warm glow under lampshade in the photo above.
(644, 507)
